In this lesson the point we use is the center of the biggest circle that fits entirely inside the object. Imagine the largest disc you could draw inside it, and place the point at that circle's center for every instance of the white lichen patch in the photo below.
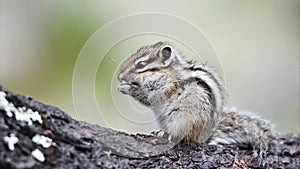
(42, 140)
(21, 113)
(11, 141)
(5, 105)
(28, 116)
(38, 155)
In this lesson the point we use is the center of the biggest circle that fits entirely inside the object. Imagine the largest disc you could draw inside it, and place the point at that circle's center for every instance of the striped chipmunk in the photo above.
(188, 99)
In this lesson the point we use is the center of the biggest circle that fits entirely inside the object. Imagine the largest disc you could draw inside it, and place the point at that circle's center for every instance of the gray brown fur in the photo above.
(188, 99)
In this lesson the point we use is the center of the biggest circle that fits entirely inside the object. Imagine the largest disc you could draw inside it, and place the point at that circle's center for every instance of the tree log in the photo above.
(36, 135)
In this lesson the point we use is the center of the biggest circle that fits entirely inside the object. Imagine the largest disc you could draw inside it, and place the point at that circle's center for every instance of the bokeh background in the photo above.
(257, 42)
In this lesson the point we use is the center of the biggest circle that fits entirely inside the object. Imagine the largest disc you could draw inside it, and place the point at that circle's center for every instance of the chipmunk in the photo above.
(188, 99)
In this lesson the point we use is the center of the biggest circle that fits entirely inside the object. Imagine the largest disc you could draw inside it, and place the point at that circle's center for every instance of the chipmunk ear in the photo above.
(166, 53)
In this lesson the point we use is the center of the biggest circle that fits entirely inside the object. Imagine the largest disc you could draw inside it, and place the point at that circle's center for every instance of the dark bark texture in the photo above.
(77, 144)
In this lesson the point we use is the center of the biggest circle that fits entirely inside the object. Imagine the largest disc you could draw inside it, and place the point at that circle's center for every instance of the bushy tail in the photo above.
(244, 129)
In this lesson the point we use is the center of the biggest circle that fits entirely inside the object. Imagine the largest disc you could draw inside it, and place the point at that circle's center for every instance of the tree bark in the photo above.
(77, 144)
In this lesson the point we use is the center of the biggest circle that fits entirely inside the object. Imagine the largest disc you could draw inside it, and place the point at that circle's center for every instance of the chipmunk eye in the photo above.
(141, 64)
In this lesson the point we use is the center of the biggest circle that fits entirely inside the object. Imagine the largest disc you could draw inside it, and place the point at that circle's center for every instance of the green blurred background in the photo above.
(257, 41)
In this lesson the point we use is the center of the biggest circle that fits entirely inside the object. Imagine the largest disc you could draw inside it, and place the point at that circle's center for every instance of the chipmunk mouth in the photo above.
(135, 85)
(126, 87)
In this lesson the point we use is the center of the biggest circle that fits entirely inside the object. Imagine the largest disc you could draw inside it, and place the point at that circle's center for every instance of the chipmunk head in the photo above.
(148, 74)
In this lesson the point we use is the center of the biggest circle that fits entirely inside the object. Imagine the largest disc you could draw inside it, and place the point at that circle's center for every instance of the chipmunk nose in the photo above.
(126, 79)
(123, 77)
(120, 77)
